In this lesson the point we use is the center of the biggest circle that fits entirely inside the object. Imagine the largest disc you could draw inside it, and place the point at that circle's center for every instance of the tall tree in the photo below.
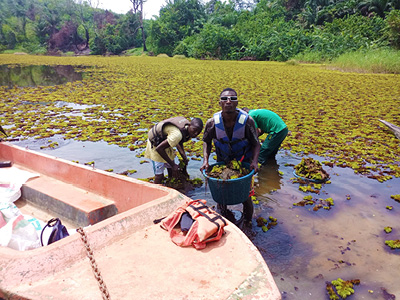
(50, 19)
(85, 11)
(19, 9)
(222, 13)
(137, 7)
(129, 29)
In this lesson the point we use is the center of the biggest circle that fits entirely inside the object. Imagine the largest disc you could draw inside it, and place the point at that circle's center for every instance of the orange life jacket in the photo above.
(207, 226)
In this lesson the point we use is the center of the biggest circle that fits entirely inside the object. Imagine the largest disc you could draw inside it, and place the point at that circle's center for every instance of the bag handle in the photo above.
(49, 224)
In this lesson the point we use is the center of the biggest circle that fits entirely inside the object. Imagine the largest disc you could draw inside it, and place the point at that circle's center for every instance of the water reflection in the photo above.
(268, 177)
(37, 75)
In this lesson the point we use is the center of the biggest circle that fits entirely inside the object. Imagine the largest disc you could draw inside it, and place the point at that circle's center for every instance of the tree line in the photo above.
(236, 29)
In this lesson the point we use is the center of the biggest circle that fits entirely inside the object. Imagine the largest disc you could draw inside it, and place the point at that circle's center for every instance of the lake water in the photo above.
(306, 248)
(23, 76)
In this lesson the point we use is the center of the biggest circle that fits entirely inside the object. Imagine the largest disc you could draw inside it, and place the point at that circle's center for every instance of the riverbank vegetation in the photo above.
(344, 32)
(375, 61)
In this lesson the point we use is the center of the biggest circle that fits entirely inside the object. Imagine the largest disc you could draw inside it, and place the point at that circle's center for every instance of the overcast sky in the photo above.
(150, 7)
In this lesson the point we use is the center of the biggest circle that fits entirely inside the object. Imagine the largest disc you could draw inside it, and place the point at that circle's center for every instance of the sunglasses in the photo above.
(232, 98)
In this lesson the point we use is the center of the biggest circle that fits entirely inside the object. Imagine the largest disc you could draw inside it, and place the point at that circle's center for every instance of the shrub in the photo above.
(213, 41)
(134, 51)
(311, 57)
(349, 34)
(69, 53)
(393, 28)
(185, 47)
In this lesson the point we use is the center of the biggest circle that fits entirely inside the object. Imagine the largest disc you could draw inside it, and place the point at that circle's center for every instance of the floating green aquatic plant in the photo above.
(394, 244)
(255, 200)
(307, 200)
(388, 229)
(120, 99)
(52, 145)
(331, 292)
(196, 181)
(308, 188)
(266, 224)
(317, 186)
(329, 201)
(395, 197)
(310, 168)
(149, 179)
(341, 288)
(318, 203)
(128, 172)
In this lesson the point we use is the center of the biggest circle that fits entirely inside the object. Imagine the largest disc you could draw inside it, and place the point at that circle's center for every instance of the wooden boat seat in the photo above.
(81, 194)
(65, 200)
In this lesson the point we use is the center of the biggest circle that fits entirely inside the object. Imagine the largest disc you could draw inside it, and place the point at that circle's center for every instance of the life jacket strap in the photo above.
(207, 226)
(213, 220)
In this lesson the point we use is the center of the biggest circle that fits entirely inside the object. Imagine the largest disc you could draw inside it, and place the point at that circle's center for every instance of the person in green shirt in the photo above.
(271, 123)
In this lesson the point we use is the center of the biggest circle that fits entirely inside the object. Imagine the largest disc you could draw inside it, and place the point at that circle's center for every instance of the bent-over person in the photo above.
(163, 137)
(270, 123)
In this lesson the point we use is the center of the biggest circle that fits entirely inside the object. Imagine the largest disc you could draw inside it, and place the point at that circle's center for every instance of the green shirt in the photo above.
(267, 120)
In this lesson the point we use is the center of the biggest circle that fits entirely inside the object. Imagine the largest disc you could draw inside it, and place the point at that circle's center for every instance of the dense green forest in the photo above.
(280, 30)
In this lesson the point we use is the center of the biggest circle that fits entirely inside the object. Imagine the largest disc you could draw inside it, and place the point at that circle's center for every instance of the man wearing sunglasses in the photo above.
(163, 137)
(235, 137)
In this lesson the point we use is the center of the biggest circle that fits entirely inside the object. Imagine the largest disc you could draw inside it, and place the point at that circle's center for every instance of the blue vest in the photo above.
(238, 146)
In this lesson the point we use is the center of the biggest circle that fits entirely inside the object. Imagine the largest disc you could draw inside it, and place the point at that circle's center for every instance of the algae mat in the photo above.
(329, 113)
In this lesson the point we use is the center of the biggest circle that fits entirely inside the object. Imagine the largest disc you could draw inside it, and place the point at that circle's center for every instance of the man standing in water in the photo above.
(235, 137)
(270, 123)
(163, 137)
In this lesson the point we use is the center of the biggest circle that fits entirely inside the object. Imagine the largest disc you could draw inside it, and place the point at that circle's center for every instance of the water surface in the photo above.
(24, 76)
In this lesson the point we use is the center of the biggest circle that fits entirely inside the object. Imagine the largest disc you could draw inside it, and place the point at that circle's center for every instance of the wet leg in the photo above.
(158, 178)
(248, 210)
